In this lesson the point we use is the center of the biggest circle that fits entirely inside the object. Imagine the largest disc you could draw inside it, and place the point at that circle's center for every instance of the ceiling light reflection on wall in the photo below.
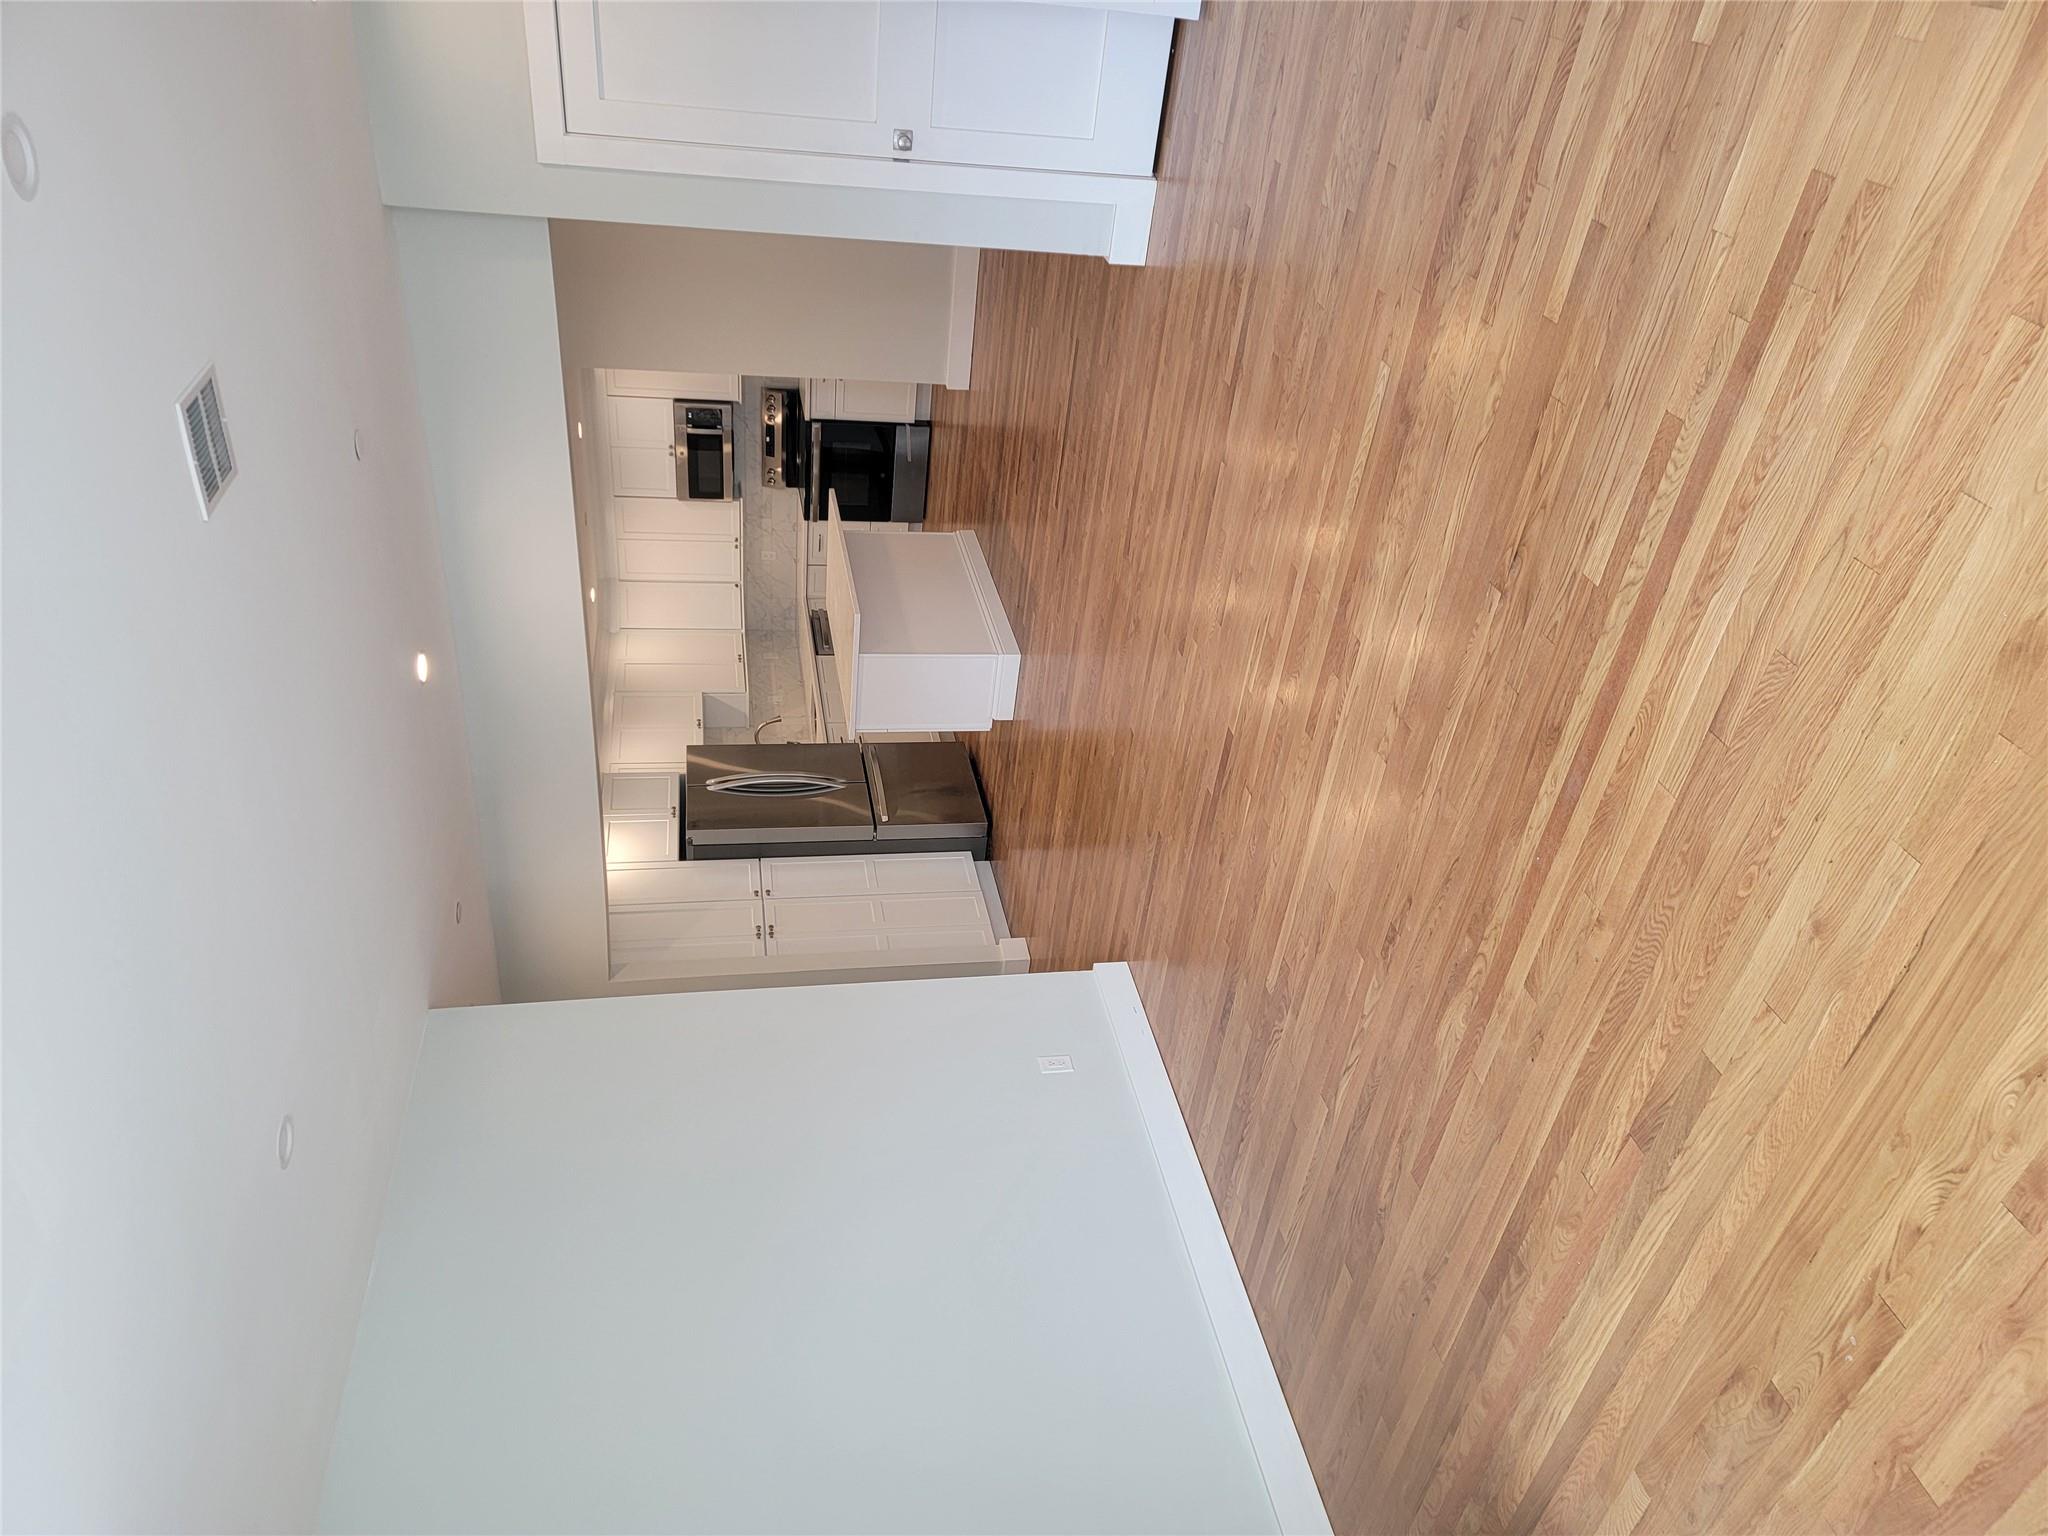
(420, 667)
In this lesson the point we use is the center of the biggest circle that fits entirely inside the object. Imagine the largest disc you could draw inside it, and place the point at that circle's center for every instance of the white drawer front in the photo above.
(696, 880)
(886, 873)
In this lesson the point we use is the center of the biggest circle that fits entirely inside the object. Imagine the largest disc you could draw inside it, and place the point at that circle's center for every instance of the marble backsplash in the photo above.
(772, 522)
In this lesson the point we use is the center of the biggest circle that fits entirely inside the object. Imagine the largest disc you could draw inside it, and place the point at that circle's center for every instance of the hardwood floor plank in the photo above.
(1535, 606)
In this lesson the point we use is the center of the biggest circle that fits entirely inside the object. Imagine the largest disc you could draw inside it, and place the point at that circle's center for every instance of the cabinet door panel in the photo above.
(639, 839)
(644, 471)
(667, 518)
(679, 559)
(648, 729)
(726, 675)
(692, 921)
(827, 76)
(936, 938)
(649, 794)
(672, 386)
(680, 605)
(692, 880)
(643, 422)
(876, 400)
(1058, 87)
(827, 944)
(870, 874)
(670, 660)
(867, 914)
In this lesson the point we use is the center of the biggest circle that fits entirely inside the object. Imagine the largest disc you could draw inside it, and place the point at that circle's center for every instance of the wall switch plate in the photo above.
(1055, 1063)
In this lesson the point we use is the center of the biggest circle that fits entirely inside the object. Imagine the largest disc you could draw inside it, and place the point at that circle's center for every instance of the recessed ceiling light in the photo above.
(593, 594)
(579, 431)
(420, 667)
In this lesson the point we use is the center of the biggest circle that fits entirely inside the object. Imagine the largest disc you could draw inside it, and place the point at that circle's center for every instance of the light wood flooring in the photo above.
(1534, 621)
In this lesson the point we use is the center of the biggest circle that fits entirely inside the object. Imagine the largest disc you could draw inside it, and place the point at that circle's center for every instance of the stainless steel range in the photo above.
(749, 802)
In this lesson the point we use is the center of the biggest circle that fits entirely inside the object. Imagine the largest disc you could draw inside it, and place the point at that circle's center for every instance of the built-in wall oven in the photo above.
(877, 469)
(704, 451)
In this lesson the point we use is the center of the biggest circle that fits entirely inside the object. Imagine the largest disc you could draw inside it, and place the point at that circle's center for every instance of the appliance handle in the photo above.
(875, 783)
(775, 784)
(813, 508)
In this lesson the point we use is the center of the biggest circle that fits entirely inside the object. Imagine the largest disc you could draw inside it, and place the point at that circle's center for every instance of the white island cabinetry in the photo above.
(920, 640)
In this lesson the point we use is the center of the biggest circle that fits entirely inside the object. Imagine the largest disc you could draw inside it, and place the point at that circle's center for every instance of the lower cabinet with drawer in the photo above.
(671, 918)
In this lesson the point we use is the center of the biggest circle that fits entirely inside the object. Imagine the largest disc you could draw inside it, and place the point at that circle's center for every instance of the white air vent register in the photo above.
(206, 440)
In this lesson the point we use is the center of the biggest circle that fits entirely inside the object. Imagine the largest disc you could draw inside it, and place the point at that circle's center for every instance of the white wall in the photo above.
(819, 1259)
(650, 296)
(479, 294)
(235, 826)
(451, 111)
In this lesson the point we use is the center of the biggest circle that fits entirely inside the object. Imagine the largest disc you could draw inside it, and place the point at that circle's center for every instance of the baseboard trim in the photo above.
(1290, 1486)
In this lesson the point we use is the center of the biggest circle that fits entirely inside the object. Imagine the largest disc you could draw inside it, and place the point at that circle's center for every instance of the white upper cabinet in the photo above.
(998, 83)
(810, 75)
(671, 386)
(1057, 87)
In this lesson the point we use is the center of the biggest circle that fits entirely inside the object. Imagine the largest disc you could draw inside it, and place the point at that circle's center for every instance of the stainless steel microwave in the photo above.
(704, 451)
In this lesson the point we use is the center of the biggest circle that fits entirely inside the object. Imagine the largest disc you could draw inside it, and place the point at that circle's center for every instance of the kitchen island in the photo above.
(920, 640)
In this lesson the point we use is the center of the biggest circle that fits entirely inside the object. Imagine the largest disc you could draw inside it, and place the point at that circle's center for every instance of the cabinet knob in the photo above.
(757, 930)
(902, 140)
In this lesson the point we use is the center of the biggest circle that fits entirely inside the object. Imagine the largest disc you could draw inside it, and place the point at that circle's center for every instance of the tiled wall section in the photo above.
(773, 524)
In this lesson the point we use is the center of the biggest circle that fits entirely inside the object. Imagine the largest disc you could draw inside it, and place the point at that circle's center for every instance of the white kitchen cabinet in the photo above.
(635, 422)
(860, 400)
(919, 637)
(960, 102)
(644, 471)
(642, 438)
(679, 660)
(668, 518)
(640, 794)
(889, 873)
(672, 386)
(835, 924)
(680, 914)
(663, 559)
(683, 881)
(812, 75)
(638, 839)
(1002, 83)
(648, 943)
(1053, 87)
(640, 817)
(651, 732)
(680, 605)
